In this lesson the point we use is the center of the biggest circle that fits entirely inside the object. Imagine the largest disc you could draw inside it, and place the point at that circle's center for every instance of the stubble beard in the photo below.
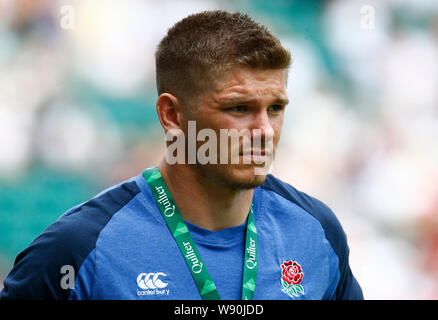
(225, 175)
(233, 176)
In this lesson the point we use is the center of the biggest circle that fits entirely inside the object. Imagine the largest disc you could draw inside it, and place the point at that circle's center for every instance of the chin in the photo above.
(244, 177)
(247, 184)
(235, 177)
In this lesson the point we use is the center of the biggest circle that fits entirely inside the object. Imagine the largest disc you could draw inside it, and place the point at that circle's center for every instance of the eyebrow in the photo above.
(244, 101)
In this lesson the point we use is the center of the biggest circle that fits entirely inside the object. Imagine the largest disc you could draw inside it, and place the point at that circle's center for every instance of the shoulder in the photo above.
(347, 286)
(316, 208)
(67, 242)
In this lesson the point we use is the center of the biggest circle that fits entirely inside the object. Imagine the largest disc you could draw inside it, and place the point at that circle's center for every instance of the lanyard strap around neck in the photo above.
(181, 234)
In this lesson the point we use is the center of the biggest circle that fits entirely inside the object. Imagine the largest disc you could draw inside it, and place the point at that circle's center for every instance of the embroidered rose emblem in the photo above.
(292, 272)
(291, 278)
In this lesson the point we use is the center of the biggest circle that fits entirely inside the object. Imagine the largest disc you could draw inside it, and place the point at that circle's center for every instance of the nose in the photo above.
(262, 132)
(262, 124)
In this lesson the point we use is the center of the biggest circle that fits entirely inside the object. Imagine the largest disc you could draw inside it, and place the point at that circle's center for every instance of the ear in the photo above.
(169, 111)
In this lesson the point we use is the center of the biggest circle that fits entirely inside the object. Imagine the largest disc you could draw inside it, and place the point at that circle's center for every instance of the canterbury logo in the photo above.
(151, 280)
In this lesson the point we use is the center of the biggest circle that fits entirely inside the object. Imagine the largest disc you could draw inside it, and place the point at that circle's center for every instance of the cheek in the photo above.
(277, 125)
(212, 120)
(277, 133)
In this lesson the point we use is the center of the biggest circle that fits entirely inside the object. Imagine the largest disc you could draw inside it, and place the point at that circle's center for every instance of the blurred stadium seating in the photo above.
(77, 114)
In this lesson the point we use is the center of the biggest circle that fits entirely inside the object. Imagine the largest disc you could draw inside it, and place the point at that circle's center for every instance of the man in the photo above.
(196, 229)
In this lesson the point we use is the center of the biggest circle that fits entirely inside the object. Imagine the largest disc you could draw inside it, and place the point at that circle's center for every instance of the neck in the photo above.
(203, 202)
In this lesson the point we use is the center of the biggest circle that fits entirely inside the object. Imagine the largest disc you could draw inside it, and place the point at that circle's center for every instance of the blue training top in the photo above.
(118, 246)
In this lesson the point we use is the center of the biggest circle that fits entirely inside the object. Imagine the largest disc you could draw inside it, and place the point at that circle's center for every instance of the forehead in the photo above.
(245, 83)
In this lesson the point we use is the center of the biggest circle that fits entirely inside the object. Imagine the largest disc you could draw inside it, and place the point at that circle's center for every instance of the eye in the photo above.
(276, 108)
(238, 108)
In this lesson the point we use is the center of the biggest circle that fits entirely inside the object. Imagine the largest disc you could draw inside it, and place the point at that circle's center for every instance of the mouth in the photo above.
(263, 152)
(256, 156)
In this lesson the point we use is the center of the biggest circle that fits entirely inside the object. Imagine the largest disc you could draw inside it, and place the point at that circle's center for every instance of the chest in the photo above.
(159, 271)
